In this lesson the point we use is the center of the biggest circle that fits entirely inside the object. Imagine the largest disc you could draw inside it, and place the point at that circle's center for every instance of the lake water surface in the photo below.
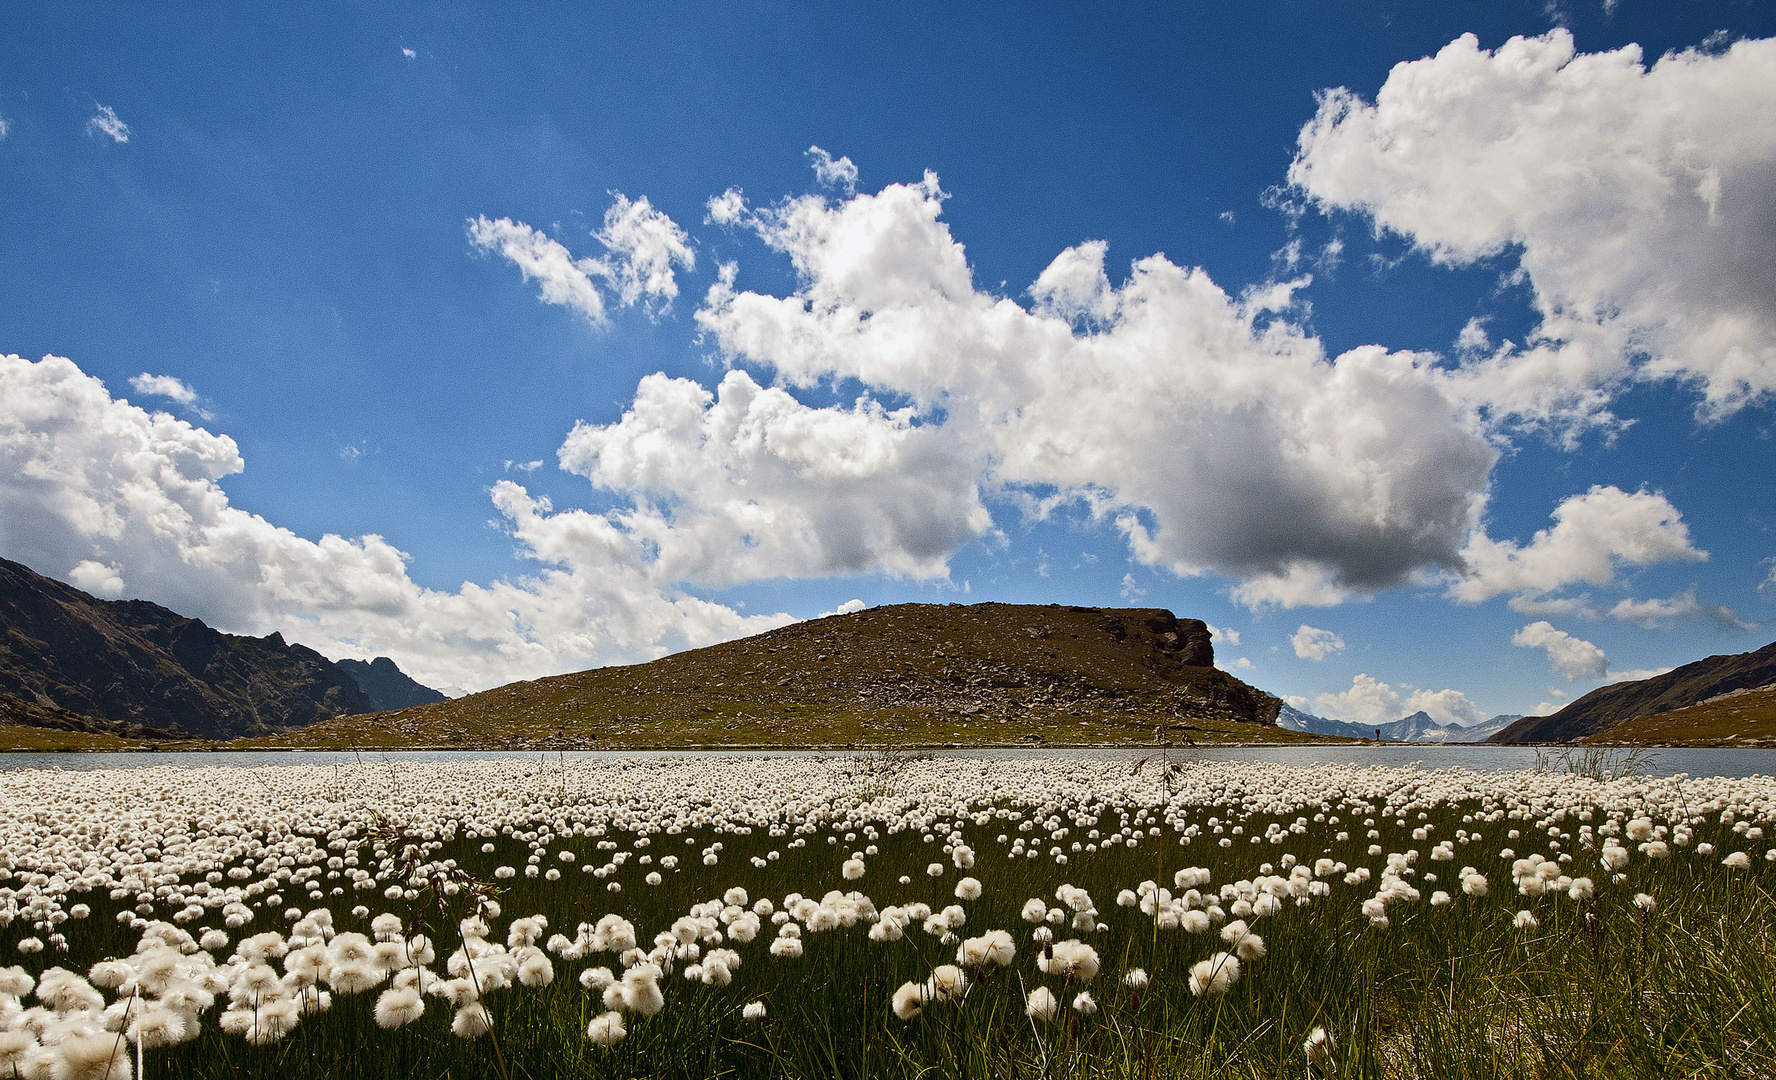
(1661, 762)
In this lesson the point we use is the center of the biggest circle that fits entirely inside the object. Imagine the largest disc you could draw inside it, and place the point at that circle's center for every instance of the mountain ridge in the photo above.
(1597, 712)
(1416, 728)
(71, 661)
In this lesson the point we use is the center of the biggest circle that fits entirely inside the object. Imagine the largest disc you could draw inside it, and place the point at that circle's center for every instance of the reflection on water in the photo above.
(1662, 762)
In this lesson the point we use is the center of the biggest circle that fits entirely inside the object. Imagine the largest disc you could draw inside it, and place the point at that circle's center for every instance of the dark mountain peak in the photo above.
(132, 664)
(387, 686)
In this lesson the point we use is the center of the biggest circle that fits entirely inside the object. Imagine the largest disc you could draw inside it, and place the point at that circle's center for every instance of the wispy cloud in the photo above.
(106, 122)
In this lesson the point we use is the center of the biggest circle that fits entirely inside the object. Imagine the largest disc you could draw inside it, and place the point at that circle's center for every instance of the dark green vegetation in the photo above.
(135, 670)
(1596, 714)
(919, 674)
(1596, 990)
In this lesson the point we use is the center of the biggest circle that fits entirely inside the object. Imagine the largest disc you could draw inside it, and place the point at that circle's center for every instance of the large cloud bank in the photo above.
(1209, 428)
(127, 502)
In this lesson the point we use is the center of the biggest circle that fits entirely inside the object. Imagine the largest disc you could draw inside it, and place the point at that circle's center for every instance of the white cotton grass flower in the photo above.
(1215, 975)
(1041, 1004)
(968, 889)
(907, 1000)
(1737, 860)
(90, 1057)
(1645, 902)
(993, 947)
(852, 869)
(398, 1007)
(1135, 979)
(640, 990)
(947, 983)
(755, 1010)
(606, 1029)
(159, 1026)
(1319, 1046)
(1072, 959)
(1084, 1005)
(15, 1047)
(1525, 920)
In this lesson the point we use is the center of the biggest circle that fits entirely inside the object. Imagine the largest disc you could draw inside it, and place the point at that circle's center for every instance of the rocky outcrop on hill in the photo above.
(1607, 706)
(131, 666)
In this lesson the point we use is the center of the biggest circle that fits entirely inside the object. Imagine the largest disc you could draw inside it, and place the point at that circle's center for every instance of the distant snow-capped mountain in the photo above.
(1419, 727)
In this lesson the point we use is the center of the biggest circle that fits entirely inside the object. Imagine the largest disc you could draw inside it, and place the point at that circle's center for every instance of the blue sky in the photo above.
(277, 209)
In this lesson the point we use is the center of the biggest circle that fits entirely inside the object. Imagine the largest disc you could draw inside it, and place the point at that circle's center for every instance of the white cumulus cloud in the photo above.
(749, 483)
(1313, 644)
(565, 281)
(1371, 703)
(1593, 534)
(833, 172)
(1573, 657)
(1635, 199)
(165, 386)
(1208, 429)
(643, 246)
(1368, 701)
(98, 578)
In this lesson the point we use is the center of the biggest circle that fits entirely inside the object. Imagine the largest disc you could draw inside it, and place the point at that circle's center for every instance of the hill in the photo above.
(72, 662)
(1744, 717)
(907, 673)
(1601, 710)
(1419, 727)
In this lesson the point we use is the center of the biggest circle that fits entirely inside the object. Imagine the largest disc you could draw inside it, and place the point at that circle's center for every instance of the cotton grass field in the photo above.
(882, 917)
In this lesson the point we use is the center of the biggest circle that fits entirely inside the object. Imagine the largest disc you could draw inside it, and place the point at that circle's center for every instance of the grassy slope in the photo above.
(909, 674)
(1747, 718)
(20, 737)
